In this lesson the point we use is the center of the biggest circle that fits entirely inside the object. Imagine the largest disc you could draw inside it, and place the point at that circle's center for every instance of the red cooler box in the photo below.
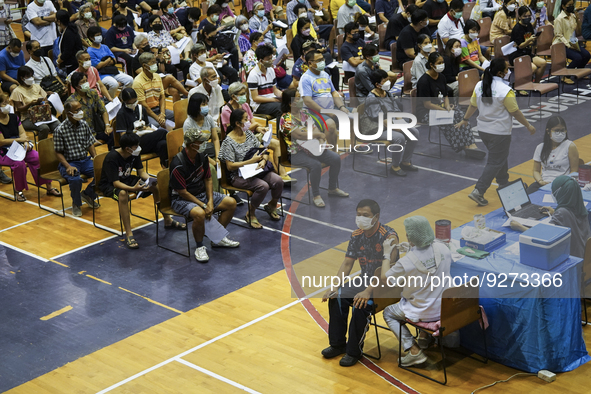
(544, 246)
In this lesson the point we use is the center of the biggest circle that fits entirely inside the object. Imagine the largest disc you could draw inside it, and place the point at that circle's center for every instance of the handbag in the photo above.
(268, 165)
(50, 83)
(40, 113)
(108, 70)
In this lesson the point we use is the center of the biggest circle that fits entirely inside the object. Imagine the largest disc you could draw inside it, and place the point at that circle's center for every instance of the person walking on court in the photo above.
(366, 245)
(497, 107)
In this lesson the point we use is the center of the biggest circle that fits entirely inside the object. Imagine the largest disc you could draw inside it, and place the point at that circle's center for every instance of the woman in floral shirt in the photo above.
(249, 60)
(294, 124)
(159, 37)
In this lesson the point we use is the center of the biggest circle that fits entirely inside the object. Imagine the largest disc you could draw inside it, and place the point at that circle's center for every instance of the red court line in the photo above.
(312, 311)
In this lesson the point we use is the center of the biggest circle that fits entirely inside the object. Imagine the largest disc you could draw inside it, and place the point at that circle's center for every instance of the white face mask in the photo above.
(247, 125)
(87, 15)
(473, 36)
(98, 39)
(78, 115)
(153, 68)
(427, 48)
(29, 81)
(5, 109)
(14, 54)
(202, 58)
(87, 64)
(137, 151)
(131, 106)
(558, 137)
(364, 223)
(409, 19)
(386, 86)
(440, 67)
(457, 52)
(213, 83)
(244, 27)
(511, 7)
(85, 87)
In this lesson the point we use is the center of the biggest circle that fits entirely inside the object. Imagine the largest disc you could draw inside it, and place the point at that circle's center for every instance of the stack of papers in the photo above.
(16, 152)
(437, 118)
(509, 48)
(214, 230)
(112, 108)
(249, 170)
(149, 183)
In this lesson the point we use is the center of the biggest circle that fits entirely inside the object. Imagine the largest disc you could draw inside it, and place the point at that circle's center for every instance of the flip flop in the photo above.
(54, 192)
(132, 243)
(253, 222)
(272, 213)
(319, 202)
(20, 197)
(176, 225)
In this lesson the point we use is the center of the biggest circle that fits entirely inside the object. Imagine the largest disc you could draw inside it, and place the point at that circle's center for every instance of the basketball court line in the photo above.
(216, 376)
(27, 222)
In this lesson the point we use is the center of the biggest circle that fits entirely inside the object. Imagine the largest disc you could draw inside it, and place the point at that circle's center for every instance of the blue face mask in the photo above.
(204, 110)
(171, 11)
(261, 13)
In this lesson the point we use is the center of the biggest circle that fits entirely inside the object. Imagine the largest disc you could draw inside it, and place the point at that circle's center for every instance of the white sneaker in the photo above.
(411, 359)
(226, 243)
(76, 211)
(201, 254)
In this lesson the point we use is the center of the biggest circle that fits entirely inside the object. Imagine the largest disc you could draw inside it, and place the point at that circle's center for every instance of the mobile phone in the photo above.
(538, 34)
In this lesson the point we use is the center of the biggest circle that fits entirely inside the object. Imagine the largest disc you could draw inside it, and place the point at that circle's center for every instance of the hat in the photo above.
(195, 135)
(419, 231)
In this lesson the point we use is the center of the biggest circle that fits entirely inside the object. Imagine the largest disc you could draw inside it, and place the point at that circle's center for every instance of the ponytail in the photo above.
(496, 66)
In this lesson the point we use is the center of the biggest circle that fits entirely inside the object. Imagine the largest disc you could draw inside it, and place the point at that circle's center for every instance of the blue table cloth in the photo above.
(530, 328)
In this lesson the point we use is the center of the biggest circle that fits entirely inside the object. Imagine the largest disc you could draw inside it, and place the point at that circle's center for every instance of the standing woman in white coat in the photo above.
(497, 107)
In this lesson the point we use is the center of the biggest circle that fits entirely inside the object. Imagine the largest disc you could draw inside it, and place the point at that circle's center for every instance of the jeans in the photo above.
(579, 58)
(496, 164)
(155, 142)
(168, 114)
(126, 59)
(85, 167)
(112, 82)
(314, 164)
(273, 109)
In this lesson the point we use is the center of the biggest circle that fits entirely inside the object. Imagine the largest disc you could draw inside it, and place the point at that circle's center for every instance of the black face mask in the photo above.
(570, 9)
(147, 48)
(123, 5)
(157, 27)
(37, 52)
(355, 37)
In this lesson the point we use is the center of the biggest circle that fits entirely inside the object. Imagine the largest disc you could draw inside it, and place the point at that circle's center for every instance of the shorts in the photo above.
(6, 86)
(184, 207)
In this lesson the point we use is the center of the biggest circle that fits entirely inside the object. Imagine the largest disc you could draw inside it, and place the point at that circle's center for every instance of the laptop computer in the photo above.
(516, 201)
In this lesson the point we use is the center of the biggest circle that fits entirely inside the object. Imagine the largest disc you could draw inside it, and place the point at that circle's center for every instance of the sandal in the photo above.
(176, 225)
(20, 197)
(54, 192)
(338, 193)
(253, 223)
(319, 202)
(272, 213)
(132, 243)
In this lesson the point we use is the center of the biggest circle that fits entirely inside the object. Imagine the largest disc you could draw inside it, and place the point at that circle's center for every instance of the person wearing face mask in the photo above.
(495, 122)
(42, 66)
(432, 89)
(524, 37)
(485, 8)
(407, 40)
(348, 12)
(119, 39)
(122, 9)
(132, 118)
(556, 156)
(265, 97)
(367, 31)
(239, 142)
(419, 65)
(335, 6)
(170, 21)
(420, 301)
(397, 23)
(226, 9)
(250, 6)
(245, 31)
(436, 9)
(371, 62)
(93, 109)
(29, 94)
(539, 14)
(104, 61)
(5, 21)
(189, 17)
(210, 87)
(567, 27)
(150, 91)
(452, 59)
(237, 92)
(84, 22)
(471, 56)
(69, 43)
(199, 55)
(11, 130)
(259, 22)
(158, 36)
(351, 50)
(213, 17)
(365, 245)
(222, 47)
(192, 195)
(73, 140)
(502, 24)
(92, 76)
(11, 59)
(380, 100)
(41, 13)
(451, 24)
(302, 13)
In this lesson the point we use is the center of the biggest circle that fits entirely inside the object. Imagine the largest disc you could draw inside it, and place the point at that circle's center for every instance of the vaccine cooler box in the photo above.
(544, 246)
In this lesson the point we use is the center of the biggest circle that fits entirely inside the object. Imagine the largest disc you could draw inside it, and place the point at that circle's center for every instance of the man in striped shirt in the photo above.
(150, 91)
(265, 97)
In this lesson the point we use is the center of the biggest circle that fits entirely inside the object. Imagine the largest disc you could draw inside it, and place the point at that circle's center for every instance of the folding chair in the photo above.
(180, 112)
(413, 104)
(353, 101)
(385, 143)
(523, 80)
(544, 41)
(558, 67)
(467, 11)
(383, 296)
(459, 307)
(382, 36)
(395, 67)
(467, 81)
(407, 86)
(340, 41)
(586, 280)
(48, 170)
(224, 183)
(498, 44)
(165, 208)
(13, 187)
(484, 36)
(174, 142)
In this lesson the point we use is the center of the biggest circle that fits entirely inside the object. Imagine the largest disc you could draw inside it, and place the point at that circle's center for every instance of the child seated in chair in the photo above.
(413, 272)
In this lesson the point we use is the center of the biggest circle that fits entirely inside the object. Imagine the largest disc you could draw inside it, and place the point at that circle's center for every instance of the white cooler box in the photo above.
(544, 246)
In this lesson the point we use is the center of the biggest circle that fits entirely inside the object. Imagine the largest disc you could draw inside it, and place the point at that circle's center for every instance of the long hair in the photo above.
(496, 66)
(449, 53)
(547, 147)
(510, 14)
(301, 23)
(235, 117)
